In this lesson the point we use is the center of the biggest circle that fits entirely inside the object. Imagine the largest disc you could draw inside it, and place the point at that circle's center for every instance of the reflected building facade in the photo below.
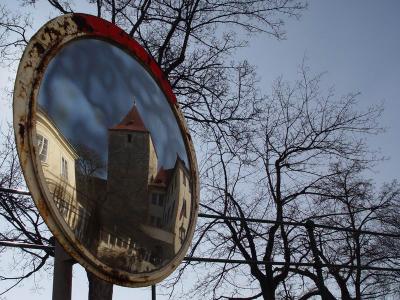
(137, 218)
(57, 157)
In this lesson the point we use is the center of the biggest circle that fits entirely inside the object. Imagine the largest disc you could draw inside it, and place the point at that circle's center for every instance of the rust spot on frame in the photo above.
(28, 65)
(21, 130)
(39, 47)
(52, 33)
(82, 24)
(65, 24)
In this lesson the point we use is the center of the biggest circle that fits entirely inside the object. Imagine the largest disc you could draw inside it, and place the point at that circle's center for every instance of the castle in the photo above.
(137, 218)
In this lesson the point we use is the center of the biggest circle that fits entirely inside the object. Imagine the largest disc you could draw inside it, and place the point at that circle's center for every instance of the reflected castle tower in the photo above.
(146, 211)
(132, 163)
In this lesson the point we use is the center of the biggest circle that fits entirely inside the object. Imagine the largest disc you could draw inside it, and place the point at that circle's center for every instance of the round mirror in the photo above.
(105, 150)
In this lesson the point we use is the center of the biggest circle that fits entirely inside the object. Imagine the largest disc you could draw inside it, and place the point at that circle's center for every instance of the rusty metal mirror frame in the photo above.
(43, 46)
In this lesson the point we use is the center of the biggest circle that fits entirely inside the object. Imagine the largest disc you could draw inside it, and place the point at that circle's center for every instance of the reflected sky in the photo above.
(90, 85)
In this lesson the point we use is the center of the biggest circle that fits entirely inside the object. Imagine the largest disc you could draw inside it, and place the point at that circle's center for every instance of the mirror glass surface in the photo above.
(113, 156)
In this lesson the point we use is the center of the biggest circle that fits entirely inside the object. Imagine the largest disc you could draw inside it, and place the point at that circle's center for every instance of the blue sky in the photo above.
(357, 44)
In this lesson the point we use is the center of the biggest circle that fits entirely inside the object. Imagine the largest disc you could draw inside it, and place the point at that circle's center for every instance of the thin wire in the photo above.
(282, 263)
(222, 260)
(14, 191)
(210, 216)
(25, 245)
(369, 232)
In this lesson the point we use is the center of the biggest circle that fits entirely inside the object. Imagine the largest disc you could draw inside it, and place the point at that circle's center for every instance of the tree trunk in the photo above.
(268, 291)
(99, 289)
(324, 292)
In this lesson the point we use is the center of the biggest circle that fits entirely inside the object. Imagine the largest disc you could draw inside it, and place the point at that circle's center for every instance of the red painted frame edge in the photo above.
(102, 28)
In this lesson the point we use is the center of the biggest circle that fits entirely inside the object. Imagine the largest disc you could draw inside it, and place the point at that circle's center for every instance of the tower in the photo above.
(132, 163)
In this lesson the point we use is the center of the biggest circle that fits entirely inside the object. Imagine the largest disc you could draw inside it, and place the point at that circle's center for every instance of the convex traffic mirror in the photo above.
(105, 150)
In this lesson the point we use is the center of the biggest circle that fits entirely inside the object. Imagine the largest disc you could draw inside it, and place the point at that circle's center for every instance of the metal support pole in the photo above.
(153, 292)
(62, 278)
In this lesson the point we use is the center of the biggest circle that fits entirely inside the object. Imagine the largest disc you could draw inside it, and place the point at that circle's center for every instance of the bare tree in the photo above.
(388, 218)
(353, 203)
(89, 161)
(279, 164)
(291, 156)
(13, 35)
(193, 42)
(21, 221)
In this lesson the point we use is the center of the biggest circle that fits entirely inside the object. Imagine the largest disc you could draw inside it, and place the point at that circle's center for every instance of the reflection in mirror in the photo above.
(113, 156)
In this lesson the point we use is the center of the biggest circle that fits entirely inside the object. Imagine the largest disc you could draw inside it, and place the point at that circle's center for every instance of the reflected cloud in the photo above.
(90, 85)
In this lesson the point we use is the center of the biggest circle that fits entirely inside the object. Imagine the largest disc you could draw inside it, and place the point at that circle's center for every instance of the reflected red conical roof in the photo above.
(132, 121)
(163, 176)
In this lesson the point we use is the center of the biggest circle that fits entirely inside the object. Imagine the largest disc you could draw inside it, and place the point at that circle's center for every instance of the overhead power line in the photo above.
(14, 191)
(255, 220)
(229, 218)
(222, 260)
(25, 245)
(282, 263)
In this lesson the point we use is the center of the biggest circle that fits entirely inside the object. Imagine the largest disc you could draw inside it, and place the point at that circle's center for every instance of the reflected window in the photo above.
(182, 234)
(42, 145)
(154, 199)
(160, 200)
(64, 168)
(157, 199)
(183, 210)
